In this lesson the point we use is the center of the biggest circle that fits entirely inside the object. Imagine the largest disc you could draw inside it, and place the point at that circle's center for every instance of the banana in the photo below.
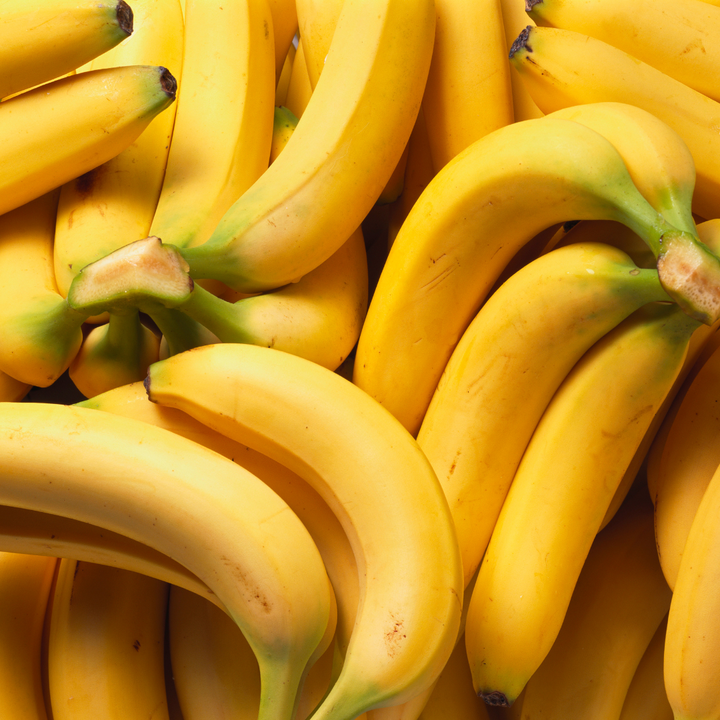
(284, 26)
(115, 353)
(215, 671)
(559, 495)
(231, 119)
(346, 446)
(688, 462)
(419, 171)
(690, 664)
(562, 68)
(25, 582)
(41, 333)
(202, 510)
(30, 532)
(284, 80)
(658, 159)
(11, 389)
(299, 86)
(317, 20)
(646, 698)
(132, 401)
(472, 218)
(284, 124)
(620, 600)
(675, 36)
(69, 126)
(41, 41)
(114, 204)
(468, 92)
(508, 365)
(106, 641)
(344, 149)
(514, 20)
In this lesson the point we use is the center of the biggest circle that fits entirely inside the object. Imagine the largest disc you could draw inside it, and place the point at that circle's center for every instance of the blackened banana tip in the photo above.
(530, 4)
(168, 82)
(521, 41)
(125, 17)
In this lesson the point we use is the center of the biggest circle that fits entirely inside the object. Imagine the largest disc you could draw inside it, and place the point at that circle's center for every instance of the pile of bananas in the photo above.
(385, 336)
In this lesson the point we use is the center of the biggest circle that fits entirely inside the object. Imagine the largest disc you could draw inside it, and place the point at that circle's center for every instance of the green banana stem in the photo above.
(180, 331)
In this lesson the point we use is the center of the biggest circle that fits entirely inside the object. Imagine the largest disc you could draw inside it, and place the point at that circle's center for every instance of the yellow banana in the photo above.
(114, 204)
(646, 698)
(223, 129)
(105, 646)
(132, 401)
(620, 600)
(346, 446)
(507, 367)
(344, 149)
(115, 353)
(215, 671)
(688, 461)
(559, 495)
(317, 20)
(11, 389)
(468, 92)
(25, 582)
(657, 158)
(31, 532)
(562, 68)
(202, 510)
(299, 86)
(284, 26)
(67, 127)
(44, 40)
(41, 332)
(472, 218)
(690, 664)
(674, 36)
(284, 80)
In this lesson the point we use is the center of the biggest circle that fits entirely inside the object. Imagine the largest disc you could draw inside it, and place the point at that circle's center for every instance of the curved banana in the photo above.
(299, 88)
(346, 446)
(345, 147)
(657, 158)
(472, 218)
(468, 92)
(132, 401)
(115, 353)
(317, 20)
(646, 698)
(114, 204)
(676, 36)
(690, 664)
(507, 367)
(284, 124)
(41, 333)
(42, 41)
(67, 127)
(30, 532)
(559, 495)
(284, 26)
(284, 80)
(12, 390)
(202, 510)
(105, 647)
(230, 118)
(561, 68)
(25, 583)
(215, 671)
(689, 459)
(620, 600)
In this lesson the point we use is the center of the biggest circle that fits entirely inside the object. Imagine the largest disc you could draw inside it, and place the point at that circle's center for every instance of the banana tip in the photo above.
(495, 698)
(168, 82)
(125, 17)
(521, 41)
(530, 4)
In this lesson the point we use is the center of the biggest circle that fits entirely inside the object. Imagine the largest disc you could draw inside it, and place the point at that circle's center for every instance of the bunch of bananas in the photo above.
(389, 339)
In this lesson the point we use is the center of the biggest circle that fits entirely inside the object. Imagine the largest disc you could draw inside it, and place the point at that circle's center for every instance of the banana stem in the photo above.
(181, 332)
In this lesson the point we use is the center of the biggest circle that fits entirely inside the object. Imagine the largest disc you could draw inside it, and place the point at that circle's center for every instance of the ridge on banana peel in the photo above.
(466, 226)
(373, 476)
(202, 510)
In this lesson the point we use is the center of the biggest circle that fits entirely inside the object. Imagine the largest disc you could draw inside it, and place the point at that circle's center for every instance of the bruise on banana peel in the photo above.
(142, 274)
(690, 273)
